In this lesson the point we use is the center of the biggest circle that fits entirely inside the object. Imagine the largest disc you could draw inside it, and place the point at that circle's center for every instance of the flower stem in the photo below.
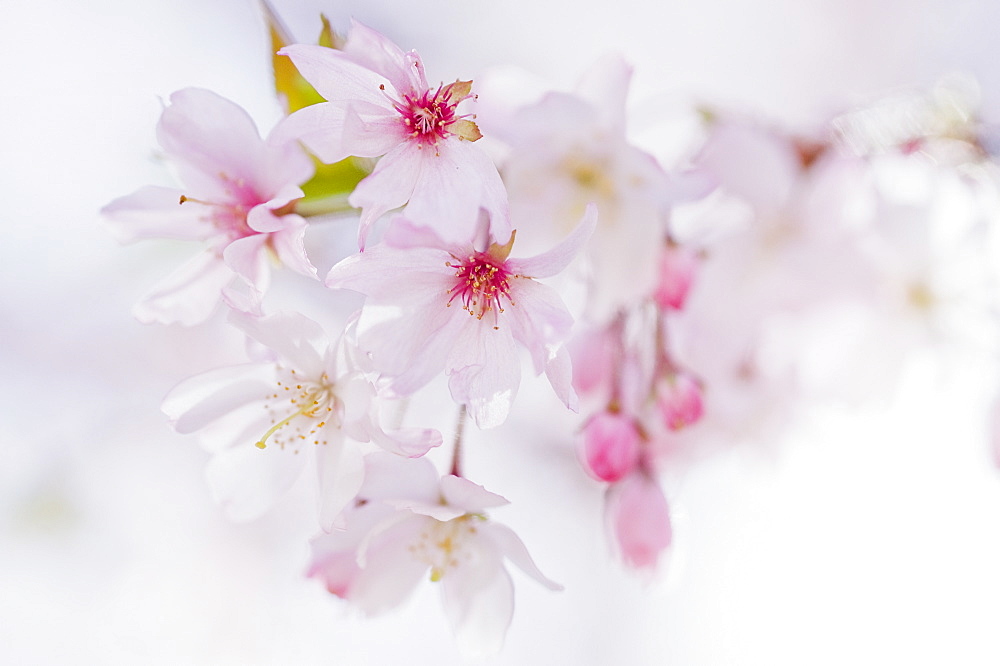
(456, 455)
(325, 206)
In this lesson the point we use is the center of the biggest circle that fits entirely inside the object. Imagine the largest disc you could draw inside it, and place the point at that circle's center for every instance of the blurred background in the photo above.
(868, 535)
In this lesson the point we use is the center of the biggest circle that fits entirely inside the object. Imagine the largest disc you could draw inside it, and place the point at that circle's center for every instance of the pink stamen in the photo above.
(430, 115)
(481, 285)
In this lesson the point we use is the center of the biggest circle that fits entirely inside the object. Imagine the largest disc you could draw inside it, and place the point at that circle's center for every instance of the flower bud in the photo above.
(677, 268)
(639, 520)
(680, 401)
(610, 446)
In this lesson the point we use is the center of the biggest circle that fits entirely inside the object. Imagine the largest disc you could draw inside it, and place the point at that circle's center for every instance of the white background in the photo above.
(863, 538)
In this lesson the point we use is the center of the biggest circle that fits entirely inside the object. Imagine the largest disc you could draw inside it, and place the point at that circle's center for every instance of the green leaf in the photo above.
(327, 190)
(294, 91)
(329, 187)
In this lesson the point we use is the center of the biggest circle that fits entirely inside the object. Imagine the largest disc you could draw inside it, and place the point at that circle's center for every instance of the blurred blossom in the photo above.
(236, 196)
(407, 522)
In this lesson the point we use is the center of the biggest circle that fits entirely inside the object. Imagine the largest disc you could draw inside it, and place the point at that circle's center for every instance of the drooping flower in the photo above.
(436, 305)
(260, 418)
(380, 104)
(610, 445)
(680, 400)
(677, 268)
(235, 198)
(570, 149)
(639, 519)
(407, 522)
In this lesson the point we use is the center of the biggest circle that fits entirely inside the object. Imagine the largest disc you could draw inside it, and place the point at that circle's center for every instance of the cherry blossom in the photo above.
(570, 149)
(610, 448)
(435, 305)
(409, 523)
(680, 400)
(380, 104)
(677, 267)
(236, 196)
(639, 519)
(260, 420)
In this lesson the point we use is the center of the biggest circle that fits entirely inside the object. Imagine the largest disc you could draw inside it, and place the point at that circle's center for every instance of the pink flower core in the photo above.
(433, 115)
(230, 216)
(482, 281)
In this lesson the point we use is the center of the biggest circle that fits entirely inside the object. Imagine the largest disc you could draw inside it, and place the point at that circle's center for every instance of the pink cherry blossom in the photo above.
(408, 523)
(610, 446)
(380, 104)
(680, 400)
(235, 198)
(258, 419)
(435, 305)
(571, 149)
(678, 265)
(639, 519)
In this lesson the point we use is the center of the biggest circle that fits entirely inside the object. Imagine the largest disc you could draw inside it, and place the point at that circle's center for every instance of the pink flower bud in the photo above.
(610, 446)
(677, 268)
(639, 520)
(680, 401)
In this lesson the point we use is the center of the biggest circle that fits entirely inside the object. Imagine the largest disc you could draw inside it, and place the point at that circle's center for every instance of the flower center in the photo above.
(444, 545)
(299, 411)
(433, 115)
(429, 115)
(230, 216)
(481, 283)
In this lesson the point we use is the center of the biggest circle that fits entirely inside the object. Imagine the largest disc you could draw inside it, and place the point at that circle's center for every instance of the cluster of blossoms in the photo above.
(675, 308)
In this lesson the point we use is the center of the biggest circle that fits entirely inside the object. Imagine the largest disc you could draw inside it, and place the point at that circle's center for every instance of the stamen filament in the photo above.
(303, 411)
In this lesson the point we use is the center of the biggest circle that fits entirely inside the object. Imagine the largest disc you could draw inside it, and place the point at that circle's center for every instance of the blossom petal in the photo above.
(375, 51)
(479, 604)
(214, 143)
(389, 570)
(187, 296)
(468, 496)
(247, 257)
(336, 76)
(199, 400)
(456, 181)
(514, 550)
(246, 480)
(336, 130)
(392, 477)
(605, 85)
(558, 258)
(370, 131)
(538, 319)
(378, 273)
(389, 186)
(320, 127)
(559, 371)
(290, 246)
(414, 359)
(409, 442)
(262, 217)
(290, 335)
(341, 472)
(155, 212)
(485, 372)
